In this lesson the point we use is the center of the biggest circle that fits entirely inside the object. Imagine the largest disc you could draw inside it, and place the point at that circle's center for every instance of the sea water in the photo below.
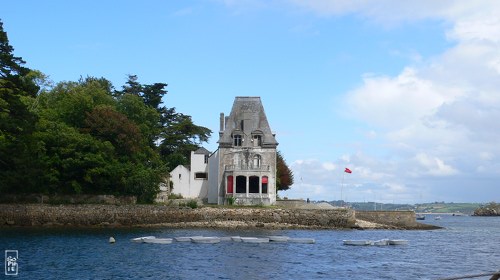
(465, 245)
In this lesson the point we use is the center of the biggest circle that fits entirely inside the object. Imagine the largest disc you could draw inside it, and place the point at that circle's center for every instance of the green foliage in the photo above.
(145, 117)
(175, 196)
(231, 200)
(177, 134)
(17, 122)
(106, 124)
(193, 204)
(84, 137)
(71, 102)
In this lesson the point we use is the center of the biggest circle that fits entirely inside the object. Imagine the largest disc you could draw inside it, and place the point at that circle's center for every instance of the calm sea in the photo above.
(466, 245)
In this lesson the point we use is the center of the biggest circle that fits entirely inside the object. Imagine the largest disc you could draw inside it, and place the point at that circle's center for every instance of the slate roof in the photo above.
(202, 151)
(247, 117)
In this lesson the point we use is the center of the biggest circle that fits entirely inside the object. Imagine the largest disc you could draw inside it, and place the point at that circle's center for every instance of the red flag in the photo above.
(347, 170)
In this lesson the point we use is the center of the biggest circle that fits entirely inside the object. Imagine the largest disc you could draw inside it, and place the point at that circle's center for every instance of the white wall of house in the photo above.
(199, 176)
(180, 177)
(213, 179)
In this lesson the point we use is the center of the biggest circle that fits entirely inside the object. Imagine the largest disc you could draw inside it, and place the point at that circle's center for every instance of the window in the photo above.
(201, 175)
(254, 184)
(257, 140)
(264, 184)
(241, 184)
(256, 161)
(237, 140)
(206, 159)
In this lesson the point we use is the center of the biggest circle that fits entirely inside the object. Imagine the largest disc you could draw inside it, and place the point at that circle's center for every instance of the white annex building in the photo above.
(244, 165)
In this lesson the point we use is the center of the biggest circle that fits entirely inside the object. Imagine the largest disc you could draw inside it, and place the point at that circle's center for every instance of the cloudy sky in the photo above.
(406, 94)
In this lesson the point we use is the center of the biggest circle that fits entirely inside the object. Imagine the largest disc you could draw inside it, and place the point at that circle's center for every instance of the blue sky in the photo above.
(404, 94)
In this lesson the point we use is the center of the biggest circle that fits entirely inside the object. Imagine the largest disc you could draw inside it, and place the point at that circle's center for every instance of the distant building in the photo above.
(244, 165)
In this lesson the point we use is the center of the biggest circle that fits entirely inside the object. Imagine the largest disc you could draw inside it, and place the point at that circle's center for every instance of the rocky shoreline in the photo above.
(491, 209)
(41, 215)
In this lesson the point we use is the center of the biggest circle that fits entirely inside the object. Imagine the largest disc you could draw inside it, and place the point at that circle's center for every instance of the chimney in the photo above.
(221, 122)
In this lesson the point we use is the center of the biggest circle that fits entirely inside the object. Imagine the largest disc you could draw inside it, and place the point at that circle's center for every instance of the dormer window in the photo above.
(257, 137)
(257, 140)
(237, 140)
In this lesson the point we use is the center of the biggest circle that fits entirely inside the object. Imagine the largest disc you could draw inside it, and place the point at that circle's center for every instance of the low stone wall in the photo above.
(290, 203)
(134, 215)
(398, 219)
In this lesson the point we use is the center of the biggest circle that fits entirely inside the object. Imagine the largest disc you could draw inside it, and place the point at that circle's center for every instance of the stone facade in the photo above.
(246, 158)
(244, 166)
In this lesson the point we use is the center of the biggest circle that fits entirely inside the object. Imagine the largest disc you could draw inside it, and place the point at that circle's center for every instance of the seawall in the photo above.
(396, 219)
(102, 215)
(142, 215)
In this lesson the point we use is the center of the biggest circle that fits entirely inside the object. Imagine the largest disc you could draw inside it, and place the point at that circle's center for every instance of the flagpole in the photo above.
(341, 188)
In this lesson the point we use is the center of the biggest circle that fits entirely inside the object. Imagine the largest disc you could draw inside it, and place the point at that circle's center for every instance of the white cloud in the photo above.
(329, 166)
(395, 102)
(439, 116)
(435, 166)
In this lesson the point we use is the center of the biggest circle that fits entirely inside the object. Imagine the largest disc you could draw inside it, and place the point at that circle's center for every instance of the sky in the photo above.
(403, 93)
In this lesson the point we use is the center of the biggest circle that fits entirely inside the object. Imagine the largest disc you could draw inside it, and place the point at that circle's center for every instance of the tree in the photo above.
(145, 117)
(84, 137)
(17, 122)
(106, 124)
(178, 135)
(87, 145)
(284, 176)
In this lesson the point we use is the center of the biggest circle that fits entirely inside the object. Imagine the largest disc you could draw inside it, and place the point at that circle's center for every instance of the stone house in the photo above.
(243, 166)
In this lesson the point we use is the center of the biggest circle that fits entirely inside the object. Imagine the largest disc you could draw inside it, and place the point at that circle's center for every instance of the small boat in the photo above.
(141, 239)
(357, 242)
(185, 238)
(381, 242)
(205, 239)
(158, 240)
(279, 238)
(255, 239)
(420, 217)
(302, 240)
(398, 242)
(437, 218)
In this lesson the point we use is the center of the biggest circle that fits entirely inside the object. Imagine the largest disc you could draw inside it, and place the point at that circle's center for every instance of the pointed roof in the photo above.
(247, 117)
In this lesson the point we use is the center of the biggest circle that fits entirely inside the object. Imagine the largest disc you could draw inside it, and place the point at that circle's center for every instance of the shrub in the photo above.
(192, 204)
(231, 200)
(175, 196)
